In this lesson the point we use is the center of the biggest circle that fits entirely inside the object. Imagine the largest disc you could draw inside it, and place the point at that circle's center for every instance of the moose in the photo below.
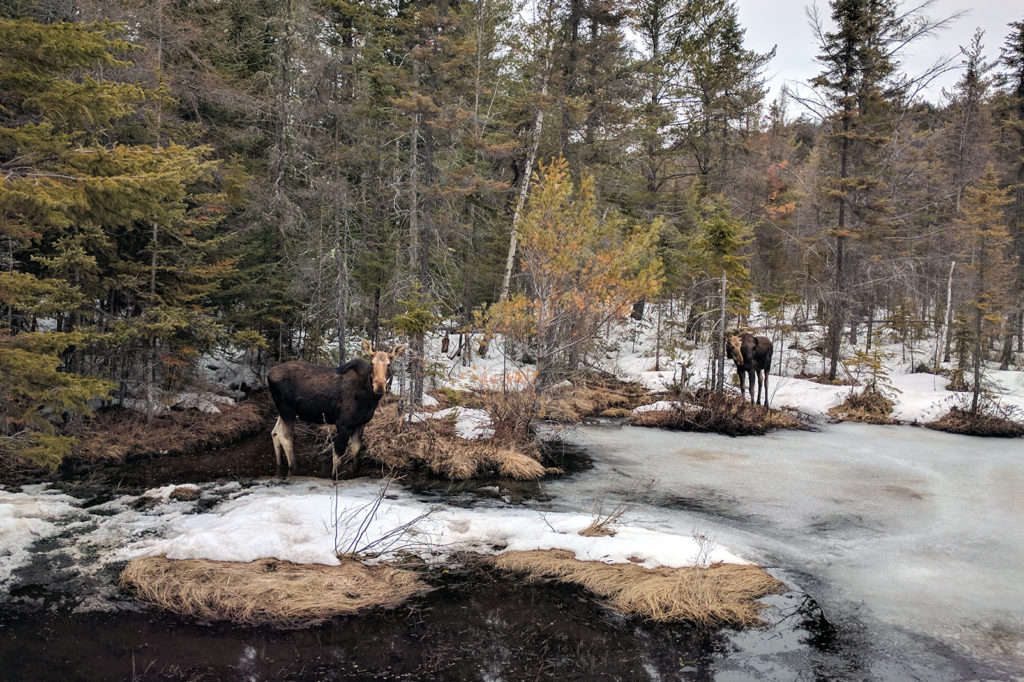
(345, 396)
(753, 357)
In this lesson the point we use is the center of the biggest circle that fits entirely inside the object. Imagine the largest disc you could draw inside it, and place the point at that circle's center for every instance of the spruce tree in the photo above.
(1012, 59)
(987, 241)
(121, 233)
(858, 93)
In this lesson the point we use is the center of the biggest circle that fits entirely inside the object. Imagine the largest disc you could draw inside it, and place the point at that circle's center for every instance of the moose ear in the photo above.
(398, 350)
(367, 347)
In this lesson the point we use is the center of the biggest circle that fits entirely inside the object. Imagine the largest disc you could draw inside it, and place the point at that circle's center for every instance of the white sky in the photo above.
(784, 23)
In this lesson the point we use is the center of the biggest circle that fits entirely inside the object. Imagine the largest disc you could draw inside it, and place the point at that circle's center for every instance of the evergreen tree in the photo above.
(988, 241)
(121, 233)
(859, 90)
(722, 88)
(1012, 58)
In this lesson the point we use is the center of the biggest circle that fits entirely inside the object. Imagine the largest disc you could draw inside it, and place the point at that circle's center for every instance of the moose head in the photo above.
(734, 349)
(381, 362)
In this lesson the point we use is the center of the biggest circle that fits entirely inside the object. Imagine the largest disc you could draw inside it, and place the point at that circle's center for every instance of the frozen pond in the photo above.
(911, 540)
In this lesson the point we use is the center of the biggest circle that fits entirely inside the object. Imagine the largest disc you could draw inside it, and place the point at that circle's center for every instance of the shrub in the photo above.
(991, 419)
(715, 412)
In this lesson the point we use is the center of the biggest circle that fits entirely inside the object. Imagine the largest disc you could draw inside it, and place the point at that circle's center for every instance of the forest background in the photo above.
(285, 177)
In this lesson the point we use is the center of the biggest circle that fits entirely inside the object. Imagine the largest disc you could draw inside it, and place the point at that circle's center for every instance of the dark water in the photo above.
(474, 627)
(477, 625)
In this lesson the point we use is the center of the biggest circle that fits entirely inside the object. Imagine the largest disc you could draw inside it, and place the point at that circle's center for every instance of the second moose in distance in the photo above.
(753, 357)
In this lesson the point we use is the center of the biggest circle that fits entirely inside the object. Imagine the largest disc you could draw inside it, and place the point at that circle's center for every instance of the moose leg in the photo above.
(341, 438)
(283, 436)
(355, 443)
(278, 447)
(750, 384)
(763, 373)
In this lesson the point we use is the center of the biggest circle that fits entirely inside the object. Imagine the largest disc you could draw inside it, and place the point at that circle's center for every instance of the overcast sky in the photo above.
(784, 24)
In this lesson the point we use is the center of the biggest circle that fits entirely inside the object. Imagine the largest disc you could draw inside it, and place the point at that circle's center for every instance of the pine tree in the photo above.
(583, 270)
(988, 241)
(722, 88)
(1012, 58)
(121, 233)
(859, 90)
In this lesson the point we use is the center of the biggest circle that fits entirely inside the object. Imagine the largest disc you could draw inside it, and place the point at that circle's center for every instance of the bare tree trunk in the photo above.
(414, 193)
(531, 158)
(720, 351)
(341, 282)
(949, 314)
(657, 343)
(980, 284)
(524, 188)
(1007, 354)
(837, 314)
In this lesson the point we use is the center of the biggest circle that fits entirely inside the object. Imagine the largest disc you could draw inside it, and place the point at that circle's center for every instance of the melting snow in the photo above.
(307, 521)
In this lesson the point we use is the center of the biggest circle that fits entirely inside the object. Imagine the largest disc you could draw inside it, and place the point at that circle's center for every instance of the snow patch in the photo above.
(35, 514)
(470, 424)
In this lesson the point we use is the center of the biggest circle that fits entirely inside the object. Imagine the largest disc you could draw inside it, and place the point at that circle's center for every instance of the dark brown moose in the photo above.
(753, 357)
(345, 396)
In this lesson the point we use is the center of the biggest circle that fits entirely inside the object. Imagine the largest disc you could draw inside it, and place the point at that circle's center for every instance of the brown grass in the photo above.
(124, 434)
(598, 528)
(986, 422)
(513, 464)
(710, 411)
(722, 594)
(434, 446)
(268, 592)
(870, 407)
(591, 396)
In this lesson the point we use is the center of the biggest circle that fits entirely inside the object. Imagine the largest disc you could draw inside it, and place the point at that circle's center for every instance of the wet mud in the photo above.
(478, 625)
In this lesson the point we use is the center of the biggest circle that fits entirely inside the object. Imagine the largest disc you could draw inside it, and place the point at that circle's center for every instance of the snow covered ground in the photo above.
(919, 397)
(304, 521)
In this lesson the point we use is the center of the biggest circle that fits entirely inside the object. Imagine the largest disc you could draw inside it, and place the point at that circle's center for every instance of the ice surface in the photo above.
(921, 529)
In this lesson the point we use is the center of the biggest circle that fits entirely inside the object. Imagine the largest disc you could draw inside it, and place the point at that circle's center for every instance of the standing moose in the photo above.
(345, 396)
(753, 356)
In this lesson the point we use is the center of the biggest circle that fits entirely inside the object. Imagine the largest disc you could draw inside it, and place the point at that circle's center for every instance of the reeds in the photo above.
(867, 406)
(268, 592)
(119, 435)
(719, 595)
(433, 445)
(987, 421)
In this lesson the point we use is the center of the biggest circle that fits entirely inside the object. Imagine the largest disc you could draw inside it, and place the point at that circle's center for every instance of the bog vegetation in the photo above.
(283, 178)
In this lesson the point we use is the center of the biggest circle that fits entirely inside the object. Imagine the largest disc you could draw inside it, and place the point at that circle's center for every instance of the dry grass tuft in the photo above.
(185, 493)
(513, 464)
(985, 422)
(868, 406)
(124, 434)
(597, 529)
(591, 396)
(455, 464)
(710, 411)
(434, 446)
(722, 594)
(268, 592)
